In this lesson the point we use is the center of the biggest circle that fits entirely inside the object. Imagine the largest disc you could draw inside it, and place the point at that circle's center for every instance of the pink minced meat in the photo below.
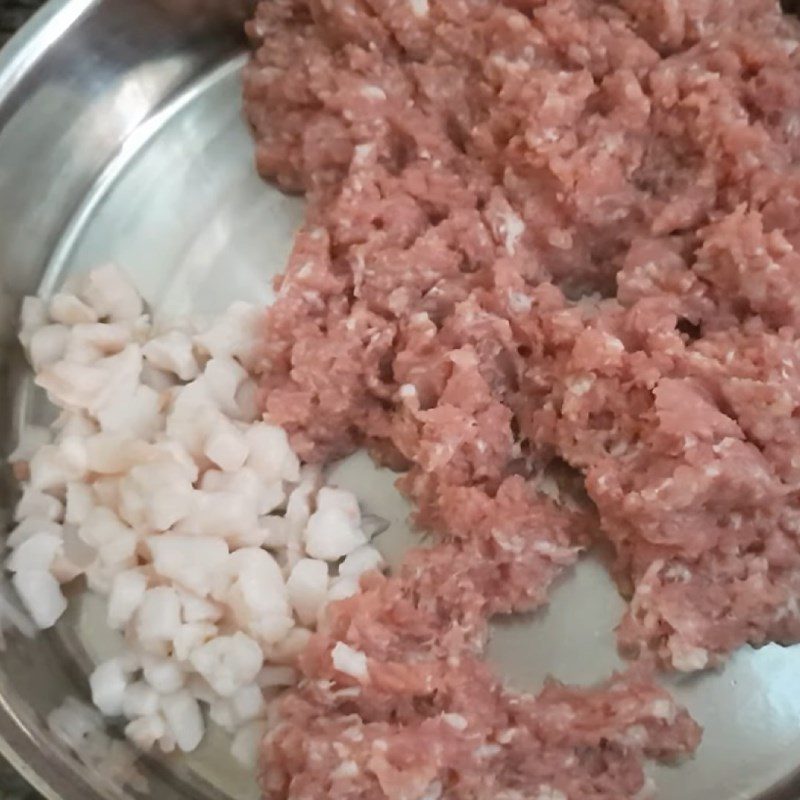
(429, 720)
(425, 718)
(547, 240)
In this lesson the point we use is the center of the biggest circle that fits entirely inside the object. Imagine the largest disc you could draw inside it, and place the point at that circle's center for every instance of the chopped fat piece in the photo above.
(127, 592)
(173, 352)
(349, 661)
(331, 534)
(163, 674)
(71, 310)
(234, 334)
(108, 683)
(36, 553)
(48, 345)
(144, 732)
(307, 588)
(270, 454)
(32, 316)
(41, 595)
(228, 662)
(184, 720)
(226, 446)
(159, 615)
(189, 560)
(138, 414)
(111, 294)
(364, 559)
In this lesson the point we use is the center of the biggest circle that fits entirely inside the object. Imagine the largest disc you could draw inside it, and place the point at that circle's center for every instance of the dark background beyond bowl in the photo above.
(13, 14)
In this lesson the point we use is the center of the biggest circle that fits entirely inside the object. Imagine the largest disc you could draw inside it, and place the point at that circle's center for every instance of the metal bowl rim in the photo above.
(17, 58)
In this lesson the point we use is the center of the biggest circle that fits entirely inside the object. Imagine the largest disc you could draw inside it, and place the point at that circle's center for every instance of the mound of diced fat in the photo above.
(216, 549)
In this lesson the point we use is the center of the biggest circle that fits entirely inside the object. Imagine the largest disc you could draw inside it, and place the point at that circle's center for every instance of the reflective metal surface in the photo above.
(121, 139)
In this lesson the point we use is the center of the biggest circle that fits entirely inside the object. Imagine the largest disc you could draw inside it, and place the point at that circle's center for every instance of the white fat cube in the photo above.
(184, 720)
(36, 553)
(189, 560)
(307, 588)
(111, 293)
(364, 559)
(159, 615)
(173, 352)
(47, 346)
(331, 534)
(68, 309)
(108, 683)
(228, 662)
(226, 446)
(162, 674)
(127, 592)
(41, 595)
(271, 456)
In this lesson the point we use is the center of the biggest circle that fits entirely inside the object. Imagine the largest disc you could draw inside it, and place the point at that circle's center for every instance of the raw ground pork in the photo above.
(546, 240)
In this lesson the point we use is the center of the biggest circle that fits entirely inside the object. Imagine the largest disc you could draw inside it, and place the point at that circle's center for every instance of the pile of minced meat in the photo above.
(550, 273)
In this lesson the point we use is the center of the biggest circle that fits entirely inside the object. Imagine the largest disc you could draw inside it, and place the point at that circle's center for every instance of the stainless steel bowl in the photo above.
(121, 139)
